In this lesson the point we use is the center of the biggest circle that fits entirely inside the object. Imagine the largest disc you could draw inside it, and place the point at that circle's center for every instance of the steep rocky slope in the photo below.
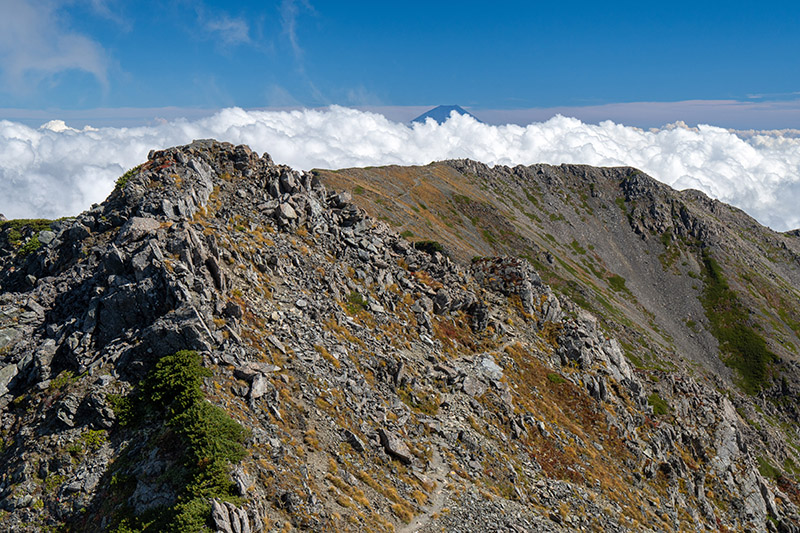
(228, 343)
(620, 244)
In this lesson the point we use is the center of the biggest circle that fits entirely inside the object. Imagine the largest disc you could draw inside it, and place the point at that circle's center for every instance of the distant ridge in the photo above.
(441, 113)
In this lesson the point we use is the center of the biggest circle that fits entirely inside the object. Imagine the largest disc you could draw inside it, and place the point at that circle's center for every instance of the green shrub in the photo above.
(52, 482)
(208, 441)
(191, 515)
(489, 237)
(421, 401)
(65, 378)
(429, 247)
(125, 527)
(210, 433)
(34, 224)
(89, 441)
(94, 439)
(123, 180)
(14, 237)
(624, 208)
(75, 449)
(531, 198)
(555, 378)
(211, 439)
(660, 407)
(31, 246)
(123, 408)
(17, 228)
(174, 384)
(355, 303)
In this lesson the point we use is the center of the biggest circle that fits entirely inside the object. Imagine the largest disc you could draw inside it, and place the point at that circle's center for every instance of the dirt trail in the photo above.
(436, 499)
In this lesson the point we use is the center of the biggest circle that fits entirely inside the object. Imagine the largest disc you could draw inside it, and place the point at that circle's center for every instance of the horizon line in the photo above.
(744, 115)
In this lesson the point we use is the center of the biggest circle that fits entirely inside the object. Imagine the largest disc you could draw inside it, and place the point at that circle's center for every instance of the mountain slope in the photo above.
(615, 240)
(228, 343)
(442, 112)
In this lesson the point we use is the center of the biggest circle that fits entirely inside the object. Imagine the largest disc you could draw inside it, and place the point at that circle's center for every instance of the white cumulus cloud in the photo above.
(56, 171)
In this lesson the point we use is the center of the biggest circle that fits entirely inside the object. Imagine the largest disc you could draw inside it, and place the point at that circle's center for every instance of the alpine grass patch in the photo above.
(744, 350)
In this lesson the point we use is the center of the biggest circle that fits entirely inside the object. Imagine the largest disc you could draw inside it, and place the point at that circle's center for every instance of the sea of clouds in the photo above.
(56, 171)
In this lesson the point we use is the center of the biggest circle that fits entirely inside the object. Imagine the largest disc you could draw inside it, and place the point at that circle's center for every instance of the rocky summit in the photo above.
(226, 344)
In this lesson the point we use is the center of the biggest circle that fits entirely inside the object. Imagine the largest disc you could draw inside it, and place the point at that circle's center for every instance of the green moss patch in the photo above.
(577, 247)
(766, 469)
(31, 246)
(744, 350)
(355, 303)
(17, 231)
(660, 407)
(617, 283)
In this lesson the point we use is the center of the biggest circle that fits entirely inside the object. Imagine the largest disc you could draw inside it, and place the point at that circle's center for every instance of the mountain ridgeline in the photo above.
(227, 344)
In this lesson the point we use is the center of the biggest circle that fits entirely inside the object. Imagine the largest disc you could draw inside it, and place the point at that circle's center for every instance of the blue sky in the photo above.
(589, 59)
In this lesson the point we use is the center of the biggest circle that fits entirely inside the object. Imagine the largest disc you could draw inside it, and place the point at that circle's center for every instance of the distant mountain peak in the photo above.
(441, 113)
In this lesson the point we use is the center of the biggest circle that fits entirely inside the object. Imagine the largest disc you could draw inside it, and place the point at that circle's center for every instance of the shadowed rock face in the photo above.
(554, 383)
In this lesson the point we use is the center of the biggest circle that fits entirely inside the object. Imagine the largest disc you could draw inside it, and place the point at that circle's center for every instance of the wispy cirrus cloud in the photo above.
(232, 31)
(36, 44)
(774, 96)
(111, 10)
(290, 11)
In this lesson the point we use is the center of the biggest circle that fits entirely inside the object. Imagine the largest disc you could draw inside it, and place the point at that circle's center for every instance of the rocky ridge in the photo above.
(382, 386)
